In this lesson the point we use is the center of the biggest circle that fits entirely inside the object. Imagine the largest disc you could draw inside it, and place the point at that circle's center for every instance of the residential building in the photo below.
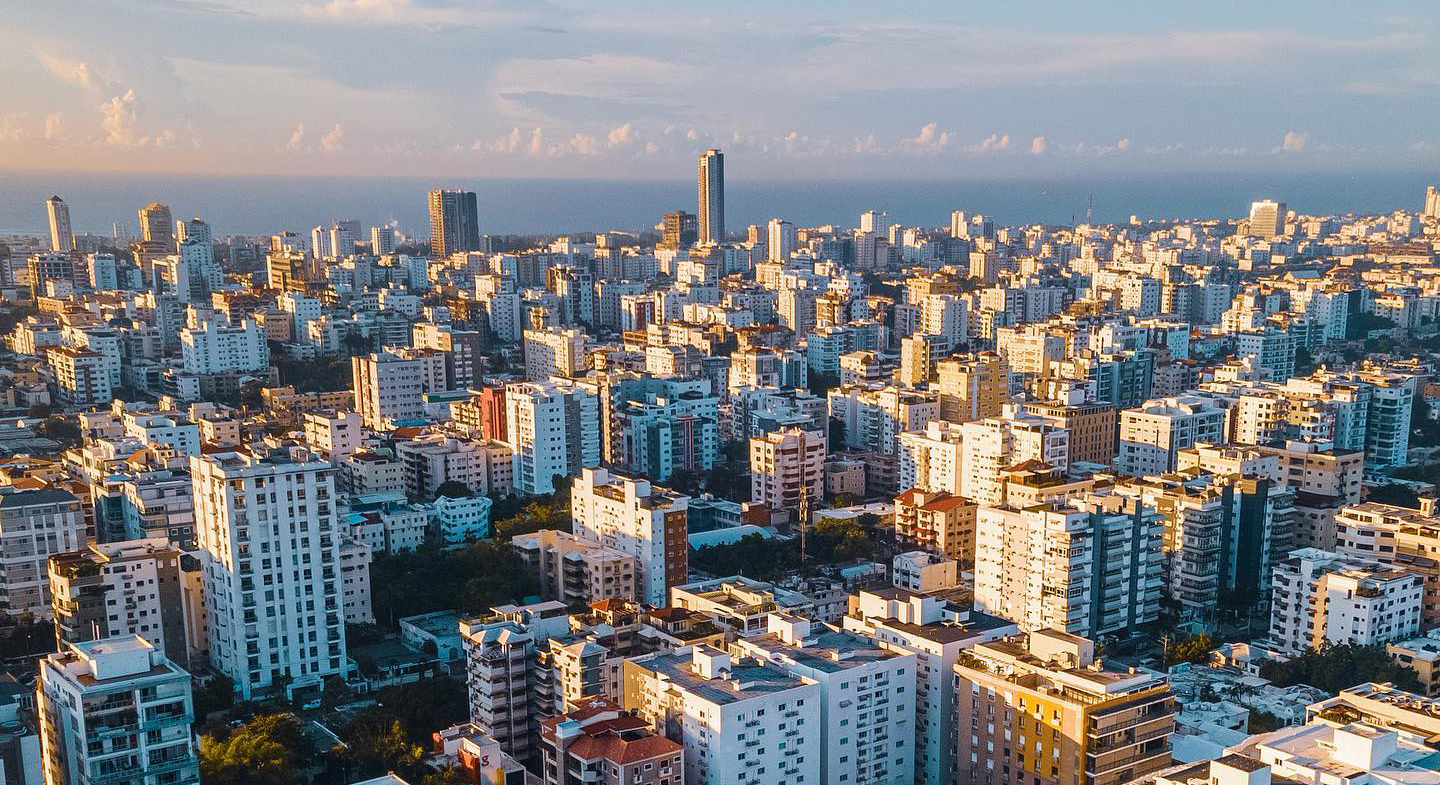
(1322, 598)
(637, 519)
(454, 223)
(599, 742)
(711, 212)
(937, 523)
(554, 430)
(785, 467)
(270, 542)
(35, 525)
(1041, 707)
(1152, 436)
(117, 710)
(121, 589)
(576, 570)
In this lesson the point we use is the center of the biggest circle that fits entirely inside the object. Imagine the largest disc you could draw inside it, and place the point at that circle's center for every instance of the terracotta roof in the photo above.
(946, 504)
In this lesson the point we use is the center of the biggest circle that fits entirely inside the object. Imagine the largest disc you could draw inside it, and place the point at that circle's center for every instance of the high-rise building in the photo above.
(382, 240)
(992, 445)
(1040, 707)
(1432, 202)
(389, 388)
(156, 226)
(786, 466)
(1106, 549)
(678, 230)
(1267, 218)
(972, 389)
(780, 240)
(735, 718)
(635, 518)
(35, 525)
(554, 429)
(866, 732)
(576, 570)
(62, 237)
(193, 229)
(1322, 599)
(116, 710)
(454, 222)
(712, 197)
(270, 540)
(1152, 436)
(121, 589)
(551, 353)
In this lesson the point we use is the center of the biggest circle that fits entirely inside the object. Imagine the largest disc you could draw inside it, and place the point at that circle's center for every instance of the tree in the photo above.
(1264, 722)
(217, 694)
(452, 489)
(1304, 361)
(822, 383)
(431, 578)
(1195, 648)
(1397, 494)
(269, 750)
(1335, 668)
(836, 433)
(1424, 431)
(62, 430)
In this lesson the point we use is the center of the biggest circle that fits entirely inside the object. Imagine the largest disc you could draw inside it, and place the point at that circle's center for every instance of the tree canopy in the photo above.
(1335, 668)
(271, 749)
(431, 578)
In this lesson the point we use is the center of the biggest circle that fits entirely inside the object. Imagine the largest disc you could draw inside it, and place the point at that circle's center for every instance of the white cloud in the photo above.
(119, 121)
(621, 135)
(930, 140)
(537, 142)
(1123, 144)
(165, 138)
(1294, 142)
(579, 144)
(53, 123)
(297, 138)
(508, 143)
(993, 143)
(1037, 145)
(12, 127)
(73, 71)
(334, 141)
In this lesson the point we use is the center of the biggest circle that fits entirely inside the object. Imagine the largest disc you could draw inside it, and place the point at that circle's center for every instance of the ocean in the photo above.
(262, 205)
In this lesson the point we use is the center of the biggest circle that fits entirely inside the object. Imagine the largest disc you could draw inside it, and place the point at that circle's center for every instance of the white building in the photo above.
(553, 430)
(867, 696)
(389, 389)
(35, 525)
(742, 722)
(1104, 550)
(270, 543)
(924, 572)
(1151, 436)
(992, 445)
(635, 518)
(116, 710)
(336, 435)
(784, 467)
(1322, 597)
(551, 353)
(214, 348)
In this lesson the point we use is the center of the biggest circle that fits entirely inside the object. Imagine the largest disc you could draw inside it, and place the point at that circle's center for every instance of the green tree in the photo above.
(269, 750)
(62, 430)
(451, 489)
(1195, 648)
(1394, 493)
(1335, 668)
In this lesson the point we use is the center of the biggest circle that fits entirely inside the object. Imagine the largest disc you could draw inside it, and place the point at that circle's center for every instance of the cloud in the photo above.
(53, 123)
(930, 140)
(12, 127)
(537, 142)
(73, 71)
(621, 135)
(1037, 146)
(297, 138)
(334, 141)
(993, 143)
(1123, 144)
(1294, 142)
(165, 138)
(119, 121)
(579, 144)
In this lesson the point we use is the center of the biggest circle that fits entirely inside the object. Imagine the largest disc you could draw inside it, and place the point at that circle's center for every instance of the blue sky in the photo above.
(633, 89)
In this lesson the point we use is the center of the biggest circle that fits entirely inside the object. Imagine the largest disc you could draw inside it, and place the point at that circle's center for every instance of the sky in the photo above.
(634, 89)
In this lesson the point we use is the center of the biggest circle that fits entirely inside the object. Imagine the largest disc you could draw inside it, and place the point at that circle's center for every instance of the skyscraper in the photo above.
(193, 229)
(382, 240)
(156, 226)
(679, 230)
(1267, 218)
(62, 239)
(454, 222)
(1432, 202)
(712, 196)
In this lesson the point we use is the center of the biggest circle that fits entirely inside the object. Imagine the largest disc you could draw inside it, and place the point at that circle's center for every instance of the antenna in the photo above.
(804, 519)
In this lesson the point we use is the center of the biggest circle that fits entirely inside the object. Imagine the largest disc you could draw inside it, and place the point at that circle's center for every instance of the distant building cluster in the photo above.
(1014, 470)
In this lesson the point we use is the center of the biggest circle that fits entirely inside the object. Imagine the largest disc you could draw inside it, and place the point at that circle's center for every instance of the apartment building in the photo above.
(553, 430)
(1398, 537)
(499, 650)
(120, 589)
(600, 742)
(552, 353)
(991, 446)
(1152, 436)
(923, 572)
(937, 523)
(786, 466)
(35, 525)
(270, 539)
(972, 388)
(115, 710)
(635, 518)
(576, 570)
(1324, 598)
(739, 605)
(867, 696)
(388, 389)
(936, 632)
(741, 721)
(1040, 707)
(1104, 550)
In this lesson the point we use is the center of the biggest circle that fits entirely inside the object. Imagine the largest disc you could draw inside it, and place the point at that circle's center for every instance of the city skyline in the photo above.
(550, 90)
